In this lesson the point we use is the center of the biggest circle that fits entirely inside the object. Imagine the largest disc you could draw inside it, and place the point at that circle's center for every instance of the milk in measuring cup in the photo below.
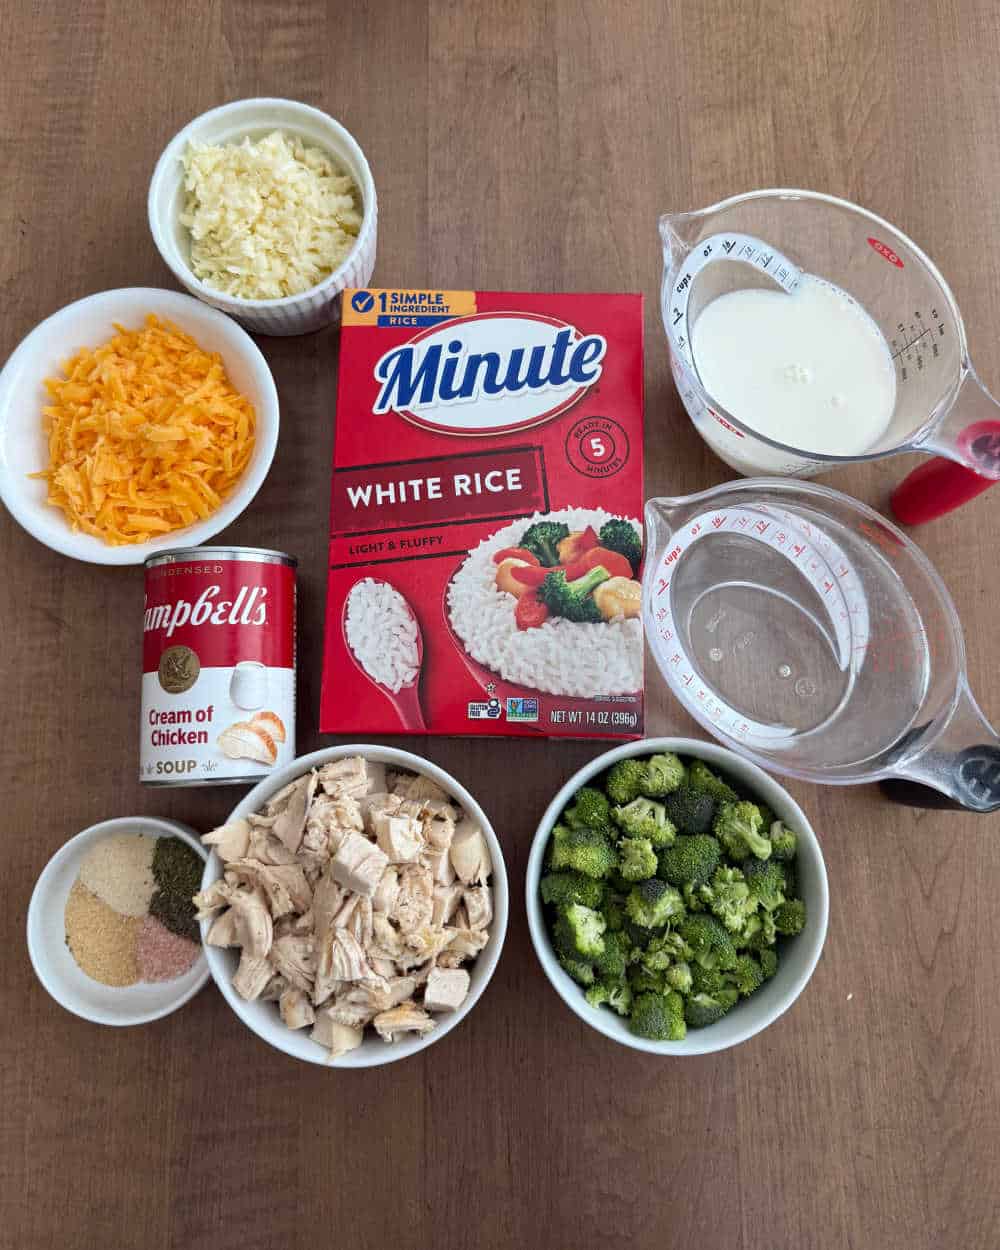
(809, 368)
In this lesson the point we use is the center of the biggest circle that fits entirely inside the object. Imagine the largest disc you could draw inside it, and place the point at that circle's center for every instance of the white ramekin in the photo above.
(798, 956)
(294, 314)
(263, 1017)
(56, 968)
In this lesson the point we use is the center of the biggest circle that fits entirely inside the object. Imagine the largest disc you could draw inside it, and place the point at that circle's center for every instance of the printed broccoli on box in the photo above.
(485, 523)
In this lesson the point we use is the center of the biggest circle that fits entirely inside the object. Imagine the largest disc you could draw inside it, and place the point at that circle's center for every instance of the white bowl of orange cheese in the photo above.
(129, 473)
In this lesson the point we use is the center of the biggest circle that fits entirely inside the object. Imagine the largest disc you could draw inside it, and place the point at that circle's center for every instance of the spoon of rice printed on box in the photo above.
(384, 640)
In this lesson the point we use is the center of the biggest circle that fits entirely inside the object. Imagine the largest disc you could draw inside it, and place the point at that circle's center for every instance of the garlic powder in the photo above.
(269, 218)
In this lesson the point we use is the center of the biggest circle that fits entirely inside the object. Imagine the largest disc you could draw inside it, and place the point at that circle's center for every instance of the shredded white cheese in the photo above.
(269, 218)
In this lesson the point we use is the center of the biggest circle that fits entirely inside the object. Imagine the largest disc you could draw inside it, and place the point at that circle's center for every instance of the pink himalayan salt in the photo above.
(162, 955)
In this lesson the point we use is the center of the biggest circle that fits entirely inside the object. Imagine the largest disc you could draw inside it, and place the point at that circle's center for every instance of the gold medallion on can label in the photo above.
(179, 669)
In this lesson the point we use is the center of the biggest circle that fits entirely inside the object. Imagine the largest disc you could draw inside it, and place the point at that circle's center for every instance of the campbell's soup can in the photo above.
(218, 661)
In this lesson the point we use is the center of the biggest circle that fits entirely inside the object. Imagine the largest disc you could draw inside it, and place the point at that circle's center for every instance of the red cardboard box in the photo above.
(470, 423)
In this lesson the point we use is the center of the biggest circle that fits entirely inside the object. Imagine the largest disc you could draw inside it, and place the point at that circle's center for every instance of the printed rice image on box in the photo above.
(485, 523)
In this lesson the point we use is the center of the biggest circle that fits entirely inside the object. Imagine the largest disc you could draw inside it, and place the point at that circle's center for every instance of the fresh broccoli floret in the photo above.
(747, 976)
(692, 895)
(692, 811)
(642, 818)
(659, 1017)
(737, 826)
(664, 773)
(768, 963)
(612, 963)
(701, 1010)
(636, 858)
(652, 903)
(563, 888)
(760, 932)
(578, 969)
(711, 945)
(543, 538)
(624, 780)
(766, 881)
(617, 996)
(582, 850)
(590, 809)
(664, 949)
(707, 980)
(573, 600)
(730, 899)
(579, 932)
(679, 978)
(784, 841)
(643, 980)
(691, 860)
(614, 912)
(620, 536)
(700, 777)
(790, 918)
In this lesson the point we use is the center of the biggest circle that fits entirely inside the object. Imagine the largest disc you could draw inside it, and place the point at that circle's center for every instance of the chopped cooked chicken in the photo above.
(293, 957)
(446, 901)
(254, 926)
(230, 841)
(406, 1018)
(446, 989)
(224, 930)
(417, 786)
(469, 853)
(285, 885)
(468, 942)
(440, 865)
(337, 1038)
(296, 1009)
(345, 776)
(384, 898)
(251, 977)
(346, 955)
(291, 822)
(219, 894)
(415, 901)
(274, 989)
(400, 837)
(355, 895)
(358, 864)
(478, 906)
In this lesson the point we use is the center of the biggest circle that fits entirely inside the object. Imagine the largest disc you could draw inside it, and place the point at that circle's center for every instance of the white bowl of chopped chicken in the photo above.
(354, 906)
(266, 209)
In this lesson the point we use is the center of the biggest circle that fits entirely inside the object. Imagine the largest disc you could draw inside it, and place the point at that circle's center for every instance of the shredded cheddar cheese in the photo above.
(146, 435)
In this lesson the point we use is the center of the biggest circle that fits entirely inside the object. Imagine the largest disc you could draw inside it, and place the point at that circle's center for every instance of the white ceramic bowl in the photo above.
(294, 314)
(56, 968)
(87, 323)
(798, 955)
(263, 1018)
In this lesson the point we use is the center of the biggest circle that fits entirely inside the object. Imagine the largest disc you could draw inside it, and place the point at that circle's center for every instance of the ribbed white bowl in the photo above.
(294, 314)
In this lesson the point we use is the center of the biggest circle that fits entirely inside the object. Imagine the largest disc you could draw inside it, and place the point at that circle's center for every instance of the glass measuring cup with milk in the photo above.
(806, 332)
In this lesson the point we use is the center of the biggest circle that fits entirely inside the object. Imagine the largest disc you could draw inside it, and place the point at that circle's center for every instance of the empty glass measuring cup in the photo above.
(770, 240)
(805, 631)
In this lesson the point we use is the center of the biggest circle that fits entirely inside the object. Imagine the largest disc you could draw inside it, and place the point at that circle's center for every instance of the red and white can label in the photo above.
(218, 683)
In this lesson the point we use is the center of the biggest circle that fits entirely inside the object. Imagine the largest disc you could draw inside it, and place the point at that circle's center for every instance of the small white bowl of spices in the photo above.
(110, 923)
(266, 209)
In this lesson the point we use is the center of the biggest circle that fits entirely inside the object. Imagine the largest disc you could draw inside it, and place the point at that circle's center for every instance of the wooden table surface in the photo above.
(514, 146)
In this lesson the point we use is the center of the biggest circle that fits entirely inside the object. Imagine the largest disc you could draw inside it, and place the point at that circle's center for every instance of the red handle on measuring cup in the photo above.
(934, 488)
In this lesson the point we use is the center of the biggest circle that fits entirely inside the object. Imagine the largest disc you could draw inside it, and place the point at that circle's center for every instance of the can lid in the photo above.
(257, 555)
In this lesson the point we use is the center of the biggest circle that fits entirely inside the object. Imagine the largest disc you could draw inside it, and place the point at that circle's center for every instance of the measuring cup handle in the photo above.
(934, 488)
(959, 768)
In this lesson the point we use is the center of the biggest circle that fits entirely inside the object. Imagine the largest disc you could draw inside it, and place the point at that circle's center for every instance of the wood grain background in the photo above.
(515, 146)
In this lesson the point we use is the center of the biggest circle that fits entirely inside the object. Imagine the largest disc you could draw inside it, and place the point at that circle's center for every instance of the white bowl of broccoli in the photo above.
(677, 896)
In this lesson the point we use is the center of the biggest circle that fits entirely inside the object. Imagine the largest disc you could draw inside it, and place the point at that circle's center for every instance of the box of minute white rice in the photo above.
(485, 524)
